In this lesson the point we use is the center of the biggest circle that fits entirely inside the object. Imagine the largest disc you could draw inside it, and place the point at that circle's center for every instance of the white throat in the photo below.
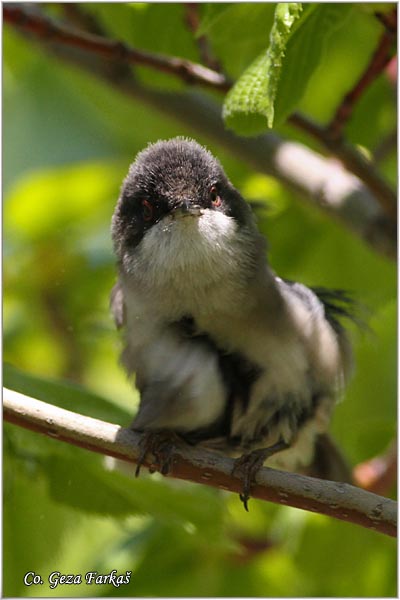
(198, 260)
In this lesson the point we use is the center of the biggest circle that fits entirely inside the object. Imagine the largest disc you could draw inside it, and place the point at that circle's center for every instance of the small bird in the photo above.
(226, 354)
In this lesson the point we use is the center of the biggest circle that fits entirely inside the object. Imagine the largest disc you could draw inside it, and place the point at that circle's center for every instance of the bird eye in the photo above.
(148, 210)
(214, 197)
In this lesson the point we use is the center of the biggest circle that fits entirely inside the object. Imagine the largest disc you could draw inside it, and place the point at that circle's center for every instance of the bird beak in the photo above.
(187, 208)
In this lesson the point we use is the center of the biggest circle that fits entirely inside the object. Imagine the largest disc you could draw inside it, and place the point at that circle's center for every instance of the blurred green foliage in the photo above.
(68, 142)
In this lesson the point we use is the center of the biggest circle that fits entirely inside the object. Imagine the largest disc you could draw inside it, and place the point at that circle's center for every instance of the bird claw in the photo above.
(247, 466)
(161, 444)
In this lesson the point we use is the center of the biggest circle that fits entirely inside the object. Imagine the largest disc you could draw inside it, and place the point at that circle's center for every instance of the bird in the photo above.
(226, 354)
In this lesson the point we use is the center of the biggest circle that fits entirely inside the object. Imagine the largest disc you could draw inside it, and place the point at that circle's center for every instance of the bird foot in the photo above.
(247, 466)
(161, 445)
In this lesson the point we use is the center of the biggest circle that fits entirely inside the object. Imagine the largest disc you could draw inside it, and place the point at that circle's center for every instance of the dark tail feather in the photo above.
(329, 462)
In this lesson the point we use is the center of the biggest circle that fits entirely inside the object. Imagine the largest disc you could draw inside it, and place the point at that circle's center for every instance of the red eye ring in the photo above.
(148, 210)
(214, 197)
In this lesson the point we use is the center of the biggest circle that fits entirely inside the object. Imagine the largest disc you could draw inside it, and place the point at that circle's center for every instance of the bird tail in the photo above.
(329, 462)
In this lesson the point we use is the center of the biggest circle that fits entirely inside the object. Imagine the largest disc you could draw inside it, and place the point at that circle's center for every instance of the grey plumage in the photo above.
(225, 353)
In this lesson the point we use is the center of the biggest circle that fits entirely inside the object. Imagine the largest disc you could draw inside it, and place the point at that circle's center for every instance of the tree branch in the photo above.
(388, 20)
(45, 29)
(192, 19)
(378, 62)
(339, 500)
(321, 182)
(353, 160)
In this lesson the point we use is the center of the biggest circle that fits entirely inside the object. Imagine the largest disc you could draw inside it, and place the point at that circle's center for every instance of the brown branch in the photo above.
(192, 18)
(316, 179)
(388, 20)
(339, 500)
(113, 50)
(80, 19)
(354, 161)
(380, 58)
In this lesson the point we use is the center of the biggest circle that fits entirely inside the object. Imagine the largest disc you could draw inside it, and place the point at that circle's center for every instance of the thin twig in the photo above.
(192, 18)
(80, 19)
(113, 50)
(316, 179)
(339, 500)
(388, 20)
(378, 62)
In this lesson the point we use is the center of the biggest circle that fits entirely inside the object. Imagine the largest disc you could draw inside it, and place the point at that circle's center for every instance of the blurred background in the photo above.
(68, 140)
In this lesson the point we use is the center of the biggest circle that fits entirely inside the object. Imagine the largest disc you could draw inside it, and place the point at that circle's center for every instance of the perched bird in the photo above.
(226, 354)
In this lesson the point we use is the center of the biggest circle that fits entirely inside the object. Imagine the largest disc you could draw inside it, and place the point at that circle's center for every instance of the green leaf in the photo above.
(304, 52)
(88, 488)
(237, 33)
(273, 85)
(93, 489)
(65, 395)
(370, 401)
(254, 93)
(34, 526)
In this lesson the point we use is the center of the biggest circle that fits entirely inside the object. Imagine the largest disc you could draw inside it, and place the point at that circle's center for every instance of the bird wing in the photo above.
(117, 305)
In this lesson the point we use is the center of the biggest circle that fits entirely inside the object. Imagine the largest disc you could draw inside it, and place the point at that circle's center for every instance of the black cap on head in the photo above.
(167, 175)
